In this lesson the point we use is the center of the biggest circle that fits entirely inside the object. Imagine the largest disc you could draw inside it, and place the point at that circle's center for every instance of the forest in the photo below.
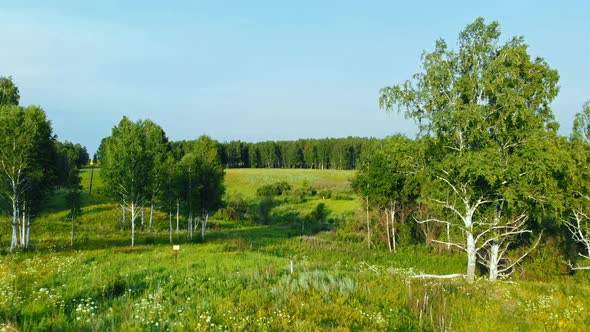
(487, 191)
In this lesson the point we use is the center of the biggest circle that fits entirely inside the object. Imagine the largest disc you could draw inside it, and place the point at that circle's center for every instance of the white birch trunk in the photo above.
(151, 218)
(204, 227)
(471, 257)
(387, 230)
(28, 237)
(170, 224)
(190, 224)
(132, 224)
(142, 210)
(23, 227)
(494, 260)
(13, 240)
(177, 216)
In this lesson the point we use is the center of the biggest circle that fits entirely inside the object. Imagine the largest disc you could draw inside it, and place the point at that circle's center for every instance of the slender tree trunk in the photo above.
(151, 217)
(190, 224)
(28, 237)
(170, 223)
(132, 224)
(387, 229)
(494, 249)
(471, 257)
(177, 216)
(142, 212)
(23, 228)
(123, 216)
(204, 226)
(13, 240)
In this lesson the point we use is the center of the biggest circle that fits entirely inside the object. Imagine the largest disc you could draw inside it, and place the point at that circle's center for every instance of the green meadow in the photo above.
(249, 276)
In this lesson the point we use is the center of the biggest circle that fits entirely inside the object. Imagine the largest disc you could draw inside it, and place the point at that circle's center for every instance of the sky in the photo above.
(258, 70)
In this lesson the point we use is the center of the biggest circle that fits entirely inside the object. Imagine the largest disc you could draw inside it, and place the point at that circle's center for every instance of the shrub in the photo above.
(235, 208)
(274, 189)
(325, 193)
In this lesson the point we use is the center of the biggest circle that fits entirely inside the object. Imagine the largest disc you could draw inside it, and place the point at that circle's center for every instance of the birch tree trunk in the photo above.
(170, 223)
(23, 227)
(28, 237)
(471, 257)
(151, 217)
(387, 229)
(13, 240)
(132, 224)
(142, 212)
(177, 216)
(494, 260)
(204, 226)
(190, 224)
(123, 216)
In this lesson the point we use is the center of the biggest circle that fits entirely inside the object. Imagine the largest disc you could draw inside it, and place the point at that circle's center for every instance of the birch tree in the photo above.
(27, 159)
(9, 94)
(578, 225)
(200, 178)
(579, 228)
(479, 106)
(388, 179)
(127, 166)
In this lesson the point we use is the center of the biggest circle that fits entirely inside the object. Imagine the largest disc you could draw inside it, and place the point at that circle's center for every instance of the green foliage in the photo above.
(9, 94)
(127, 164)
(236, 208)
(581, 126)
(200, 177)
(274, 189)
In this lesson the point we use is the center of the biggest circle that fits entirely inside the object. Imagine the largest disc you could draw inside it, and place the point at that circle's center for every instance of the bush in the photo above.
(297, 196)
(545, 262)
(274, 189)
(342, 197)
(235, 208)
(263, 209)
(325, 193)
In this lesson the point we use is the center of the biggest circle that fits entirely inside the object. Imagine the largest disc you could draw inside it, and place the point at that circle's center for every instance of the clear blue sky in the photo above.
(254, 70)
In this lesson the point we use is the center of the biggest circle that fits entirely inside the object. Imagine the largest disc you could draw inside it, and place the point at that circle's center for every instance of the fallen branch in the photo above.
(437, 276)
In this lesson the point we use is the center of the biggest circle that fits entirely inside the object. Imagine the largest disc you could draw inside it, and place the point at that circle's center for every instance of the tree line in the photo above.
(326, 153)
(488, 175)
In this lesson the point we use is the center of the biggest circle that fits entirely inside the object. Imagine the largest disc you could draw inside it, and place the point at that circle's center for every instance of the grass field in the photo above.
(247, 180)
(239, 278)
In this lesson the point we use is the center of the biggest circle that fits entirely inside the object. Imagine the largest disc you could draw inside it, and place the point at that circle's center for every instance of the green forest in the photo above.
(479, 222)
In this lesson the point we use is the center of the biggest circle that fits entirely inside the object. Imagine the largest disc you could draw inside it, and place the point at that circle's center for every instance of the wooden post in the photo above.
(176, 249)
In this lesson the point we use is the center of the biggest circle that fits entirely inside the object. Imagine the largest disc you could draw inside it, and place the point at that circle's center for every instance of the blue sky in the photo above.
(257, 70)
